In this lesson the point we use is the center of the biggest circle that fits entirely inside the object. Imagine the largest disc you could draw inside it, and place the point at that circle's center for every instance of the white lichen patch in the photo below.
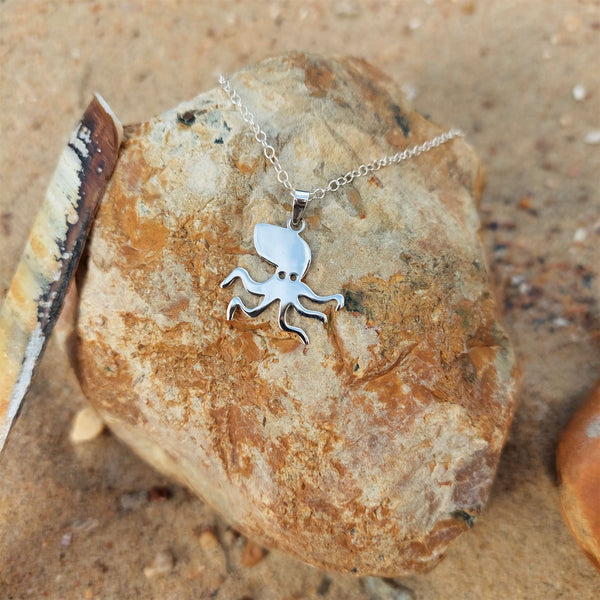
(592, 429)
(80, 139)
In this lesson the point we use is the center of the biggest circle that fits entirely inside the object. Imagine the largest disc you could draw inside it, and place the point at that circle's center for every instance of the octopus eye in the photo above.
(293, 276)
(281, 275)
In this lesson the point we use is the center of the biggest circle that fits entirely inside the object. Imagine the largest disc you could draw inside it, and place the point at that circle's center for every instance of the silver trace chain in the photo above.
(335, 184)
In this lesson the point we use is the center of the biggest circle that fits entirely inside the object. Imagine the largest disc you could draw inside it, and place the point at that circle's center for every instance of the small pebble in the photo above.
(347, 9)
(565, 121)
(161, 565)
(572, 23)
(410, 91)
(385, 589)
(592, 137)
(87, 425)
(229, 536)
(579, 235)
(197, 572)
(85, 525)
(209, 557)
(252, 554)
(468, 8)
(159, 493)
(579, 92)
(208, 540)
(133, 500)
(525, 203)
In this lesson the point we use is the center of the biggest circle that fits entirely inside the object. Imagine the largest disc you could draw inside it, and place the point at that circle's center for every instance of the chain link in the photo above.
(335, 184)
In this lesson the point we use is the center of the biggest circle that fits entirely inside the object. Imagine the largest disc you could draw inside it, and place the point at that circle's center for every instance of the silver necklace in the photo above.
(282, 246)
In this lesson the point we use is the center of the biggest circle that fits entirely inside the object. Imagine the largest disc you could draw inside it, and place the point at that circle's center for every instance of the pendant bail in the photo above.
(300, 201)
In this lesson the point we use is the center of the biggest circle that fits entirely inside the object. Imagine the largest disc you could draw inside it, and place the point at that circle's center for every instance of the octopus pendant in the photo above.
(290, 254)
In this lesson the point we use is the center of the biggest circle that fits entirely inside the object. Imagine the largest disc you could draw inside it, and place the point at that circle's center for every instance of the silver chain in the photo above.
(335, 184)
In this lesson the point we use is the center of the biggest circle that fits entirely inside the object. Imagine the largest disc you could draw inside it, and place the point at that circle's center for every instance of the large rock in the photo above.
(368, 450)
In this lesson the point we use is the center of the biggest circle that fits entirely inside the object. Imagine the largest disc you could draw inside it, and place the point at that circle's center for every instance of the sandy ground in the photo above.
(78, 522)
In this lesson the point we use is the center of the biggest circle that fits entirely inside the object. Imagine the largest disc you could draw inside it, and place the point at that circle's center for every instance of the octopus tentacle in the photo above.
(251, 312)
(306, 292)
(287, 327)
(254, 287)
(306, 312)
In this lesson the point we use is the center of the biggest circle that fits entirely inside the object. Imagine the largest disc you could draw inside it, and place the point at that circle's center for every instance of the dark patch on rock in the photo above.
(353, 301)
(401, 120)
(463, 515)
(187, 118)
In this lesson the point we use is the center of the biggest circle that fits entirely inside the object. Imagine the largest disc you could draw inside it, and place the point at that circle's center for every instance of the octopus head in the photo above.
(284, 248)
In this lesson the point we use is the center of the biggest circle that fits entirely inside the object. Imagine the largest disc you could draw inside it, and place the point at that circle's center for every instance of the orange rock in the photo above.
(578, 464)
(367, 451)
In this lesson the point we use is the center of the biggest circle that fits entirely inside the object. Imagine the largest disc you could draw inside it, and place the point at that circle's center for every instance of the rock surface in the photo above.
(368, 451)
(578, 465)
